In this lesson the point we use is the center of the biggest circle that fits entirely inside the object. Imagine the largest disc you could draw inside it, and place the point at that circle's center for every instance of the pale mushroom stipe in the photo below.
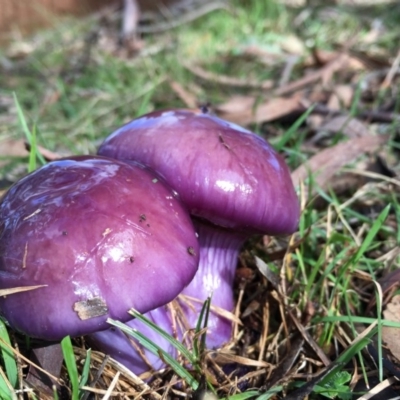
(101, 235)
(234, 185)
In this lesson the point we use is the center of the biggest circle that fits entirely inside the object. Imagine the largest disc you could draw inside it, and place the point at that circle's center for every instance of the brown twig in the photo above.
(392, 72)
(188, 98)
(324, 73)
(185, 18)
(369, 115)
(226, 80)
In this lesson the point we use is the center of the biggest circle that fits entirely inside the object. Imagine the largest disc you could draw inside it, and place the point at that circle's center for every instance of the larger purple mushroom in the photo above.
(101, 236)
(234, 185)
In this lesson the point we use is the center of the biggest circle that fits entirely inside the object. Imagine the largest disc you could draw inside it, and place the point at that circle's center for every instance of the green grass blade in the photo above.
(151, 346)
(331, 382)
(357, 319)
(291, 131)
(22, 120)
(32, 152)
(145, 103)
(356, 99)
(349, 353)
(270, 393)
(5, 392)
(202, 322)
(256, 394)
(69, 358)
(376, 226)
(243, 396)
(85, 372)
(176, 343)
(30, 137)
(8, 357)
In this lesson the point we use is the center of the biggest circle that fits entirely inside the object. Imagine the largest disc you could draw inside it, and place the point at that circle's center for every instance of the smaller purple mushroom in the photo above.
(234, 185)
(101, 236)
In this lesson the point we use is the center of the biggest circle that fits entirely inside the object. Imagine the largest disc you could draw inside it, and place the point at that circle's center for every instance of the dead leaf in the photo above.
(392, 335)
(346, 182)
(237, 104)
(241, 109)
(50, 358)
(341, 97)
(11, 148)
(339, 63)
(314, 122)
(321, 57)
(262, 55)
(389, 283)
(267, 272)
(226, 80)
(351, 127)
(325, 164)
(250, 309)
(325, 74)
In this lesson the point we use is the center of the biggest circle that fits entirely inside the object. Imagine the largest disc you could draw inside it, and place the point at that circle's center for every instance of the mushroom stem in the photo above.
(219, 250)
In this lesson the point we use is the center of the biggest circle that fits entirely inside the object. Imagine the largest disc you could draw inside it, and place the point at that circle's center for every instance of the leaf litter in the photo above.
(345, 151)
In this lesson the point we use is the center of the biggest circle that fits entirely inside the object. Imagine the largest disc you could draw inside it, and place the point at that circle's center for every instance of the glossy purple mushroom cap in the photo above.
(102, 235)
(222, 172)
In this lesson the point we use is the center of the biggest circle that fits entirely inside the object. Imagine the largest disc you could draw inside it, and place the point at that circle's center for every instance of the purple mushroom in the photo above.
(101, 235)
(234, 185)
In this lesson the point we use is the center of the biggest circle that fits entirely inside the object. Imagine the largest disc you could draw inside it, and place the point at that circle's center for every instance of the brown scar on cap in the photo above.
(91, 308)
(191, 251)
(106, 232)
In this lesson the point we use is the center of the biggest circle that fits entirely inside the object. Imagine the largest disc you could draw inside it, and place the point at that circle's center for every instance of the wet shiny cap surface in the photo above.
(102, 235)
(222, 172)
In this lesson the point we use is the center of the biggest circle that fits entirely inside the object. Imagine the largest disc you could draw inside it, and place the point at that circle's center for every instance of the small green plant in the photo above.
(70, 362)
(336, 387)
(8, 369)
(30, 135)
(193, 357)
